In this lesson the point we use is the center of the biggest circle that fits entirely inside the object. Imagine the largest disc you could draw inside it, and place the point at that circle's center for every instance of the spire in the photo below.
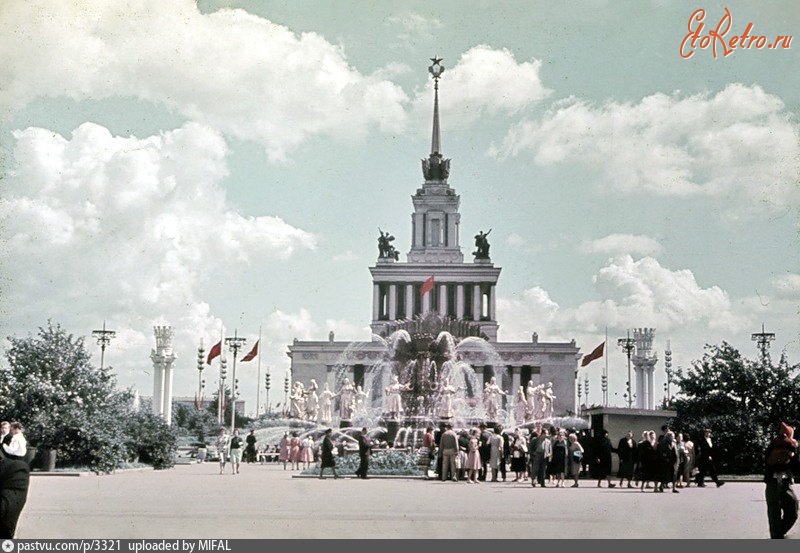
(436, 138)
(435, 168)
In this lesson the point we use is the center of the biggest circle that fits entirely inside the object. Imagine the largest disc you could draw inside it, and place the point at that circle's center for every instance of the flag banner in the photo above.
(252, 355)
(596, 354)
(214, 352)
(427, 286)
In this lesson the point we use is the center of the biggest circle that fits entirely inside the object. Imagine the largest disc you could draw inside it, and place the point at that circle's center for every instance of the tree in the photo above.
(64, 402)
(740, 400)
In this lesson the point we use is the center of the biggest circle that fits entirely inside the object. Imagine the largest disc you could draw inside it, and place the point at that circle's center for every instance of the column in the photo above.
(409, 301)
(460, 301)
(640, 388)
(426, 304)
(376, 301)
(392, 302)
(492, 304)
(650, 394)
(443, 300)
(167, 405)
(158, 386)
(515, 380)
(476, 302)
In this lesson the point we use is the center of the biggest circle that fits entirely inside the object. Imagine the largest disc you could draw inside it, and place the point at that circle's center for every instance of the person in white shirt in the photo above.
(18, 446)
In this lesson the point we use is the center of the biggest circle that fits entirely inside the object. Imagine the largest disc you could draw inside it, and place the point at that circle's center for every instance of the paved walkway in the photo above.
(264, 501)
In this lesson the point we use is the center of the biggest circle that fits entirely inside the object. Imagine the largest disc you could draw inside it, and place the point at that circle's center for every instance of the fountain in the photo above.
(421, 379)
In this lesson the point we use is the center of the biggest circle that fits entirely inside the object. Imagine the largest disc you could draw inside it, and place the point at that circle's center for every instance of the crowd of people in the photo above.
(550, 456)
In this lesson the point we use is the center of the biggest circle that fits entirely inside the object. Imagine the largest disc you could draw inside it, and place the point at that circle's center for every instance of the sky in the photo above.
(224, 166)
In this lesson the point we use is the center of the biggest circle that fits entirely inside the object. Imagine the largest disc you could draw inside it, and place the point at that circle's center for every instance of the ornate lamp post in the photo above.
(586, 387)
(223, 373)
(103, 339)
(201, 384)
(286, 393)
(628, 345)
(266, 385)
(234, 343)
(580, 392)
(668, 370)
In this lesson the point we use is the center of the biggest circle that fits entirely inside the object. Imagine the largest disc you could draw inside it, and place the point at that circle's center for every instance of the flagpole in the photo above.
(258, 380)
(605, 373)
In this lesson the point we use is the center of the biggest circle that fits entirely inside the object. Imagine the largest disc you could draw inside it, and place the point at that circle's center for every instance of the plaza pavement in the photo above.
(264, 501)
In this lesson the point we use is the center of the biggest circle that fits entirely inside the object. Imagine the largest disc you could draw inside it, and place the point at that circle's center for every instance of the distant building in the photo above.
(462, 298)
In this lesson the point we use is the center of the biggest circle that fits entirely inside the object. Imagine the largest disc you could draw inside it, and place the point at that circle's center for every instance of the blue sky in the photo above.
(229, 163)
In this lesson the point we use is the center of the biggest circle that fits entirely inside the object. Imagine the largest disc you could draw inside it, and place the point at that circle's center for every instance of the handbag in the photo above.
(516, 454)
(577, 456)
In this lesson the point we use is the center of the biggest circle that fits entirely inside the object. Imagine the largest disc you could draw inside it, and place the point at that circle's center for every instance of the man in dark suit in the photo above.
(14, 477)
(707, 460)
(449, 447)
(628, 456)
(780, 460)
(364, 449)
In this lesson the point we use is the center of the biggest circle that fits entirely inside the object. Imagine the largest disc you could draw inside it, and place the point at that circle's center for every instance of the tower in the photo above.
(461, 291)
(644, 362)
(163, 360)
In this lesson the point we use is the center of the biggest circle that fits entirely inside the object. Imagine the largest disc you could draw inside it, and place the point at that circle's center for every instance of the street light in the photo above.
(668, 368)
(266, 385)
(103, 339)
(286, 392)
(223, 373)
(628, 345)
(201, 384)
(234, 343)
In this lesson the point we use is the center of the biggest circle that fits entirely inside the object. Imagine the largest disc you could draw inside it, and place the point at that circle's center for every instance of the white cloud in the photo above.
(484, 81)
(787, 285)
(615, 244)
(129, 230)
(234, 71)
(740, 142)
(635, 293)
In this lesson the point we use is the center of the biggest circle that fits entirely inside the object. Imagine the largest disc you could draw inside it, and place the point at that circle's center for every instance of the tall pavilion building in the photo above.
(462, 298)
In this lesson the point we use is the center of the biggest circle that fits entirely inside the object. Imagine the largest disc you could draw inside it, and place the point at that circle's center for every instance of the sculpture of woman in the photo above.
(326, 404)
(347, 400)
(520, 406)
(491, 397)
(531, 394)
(548, 398)
(538, 395)
(297, 401)
(394, 403)
(444, 406)
(361, 401)
(312, 401)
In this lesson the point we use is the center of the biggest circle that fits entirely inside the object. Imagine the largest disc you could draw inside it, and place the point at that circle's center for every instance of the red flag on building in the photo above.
(596, 354)
(214, 352)
(427, 286)
(253, 352)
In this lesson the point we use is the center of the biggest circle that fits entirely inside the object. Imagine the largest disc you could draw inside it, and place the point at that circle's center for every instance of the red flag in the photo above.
(596, 354)
(427, 286)
(253, 352)
(214, 352)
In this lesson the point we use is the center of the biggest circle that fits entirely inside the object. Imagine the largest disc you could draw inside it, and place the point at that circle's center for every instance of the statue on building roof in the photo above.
(481, 245)
(386, 249)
